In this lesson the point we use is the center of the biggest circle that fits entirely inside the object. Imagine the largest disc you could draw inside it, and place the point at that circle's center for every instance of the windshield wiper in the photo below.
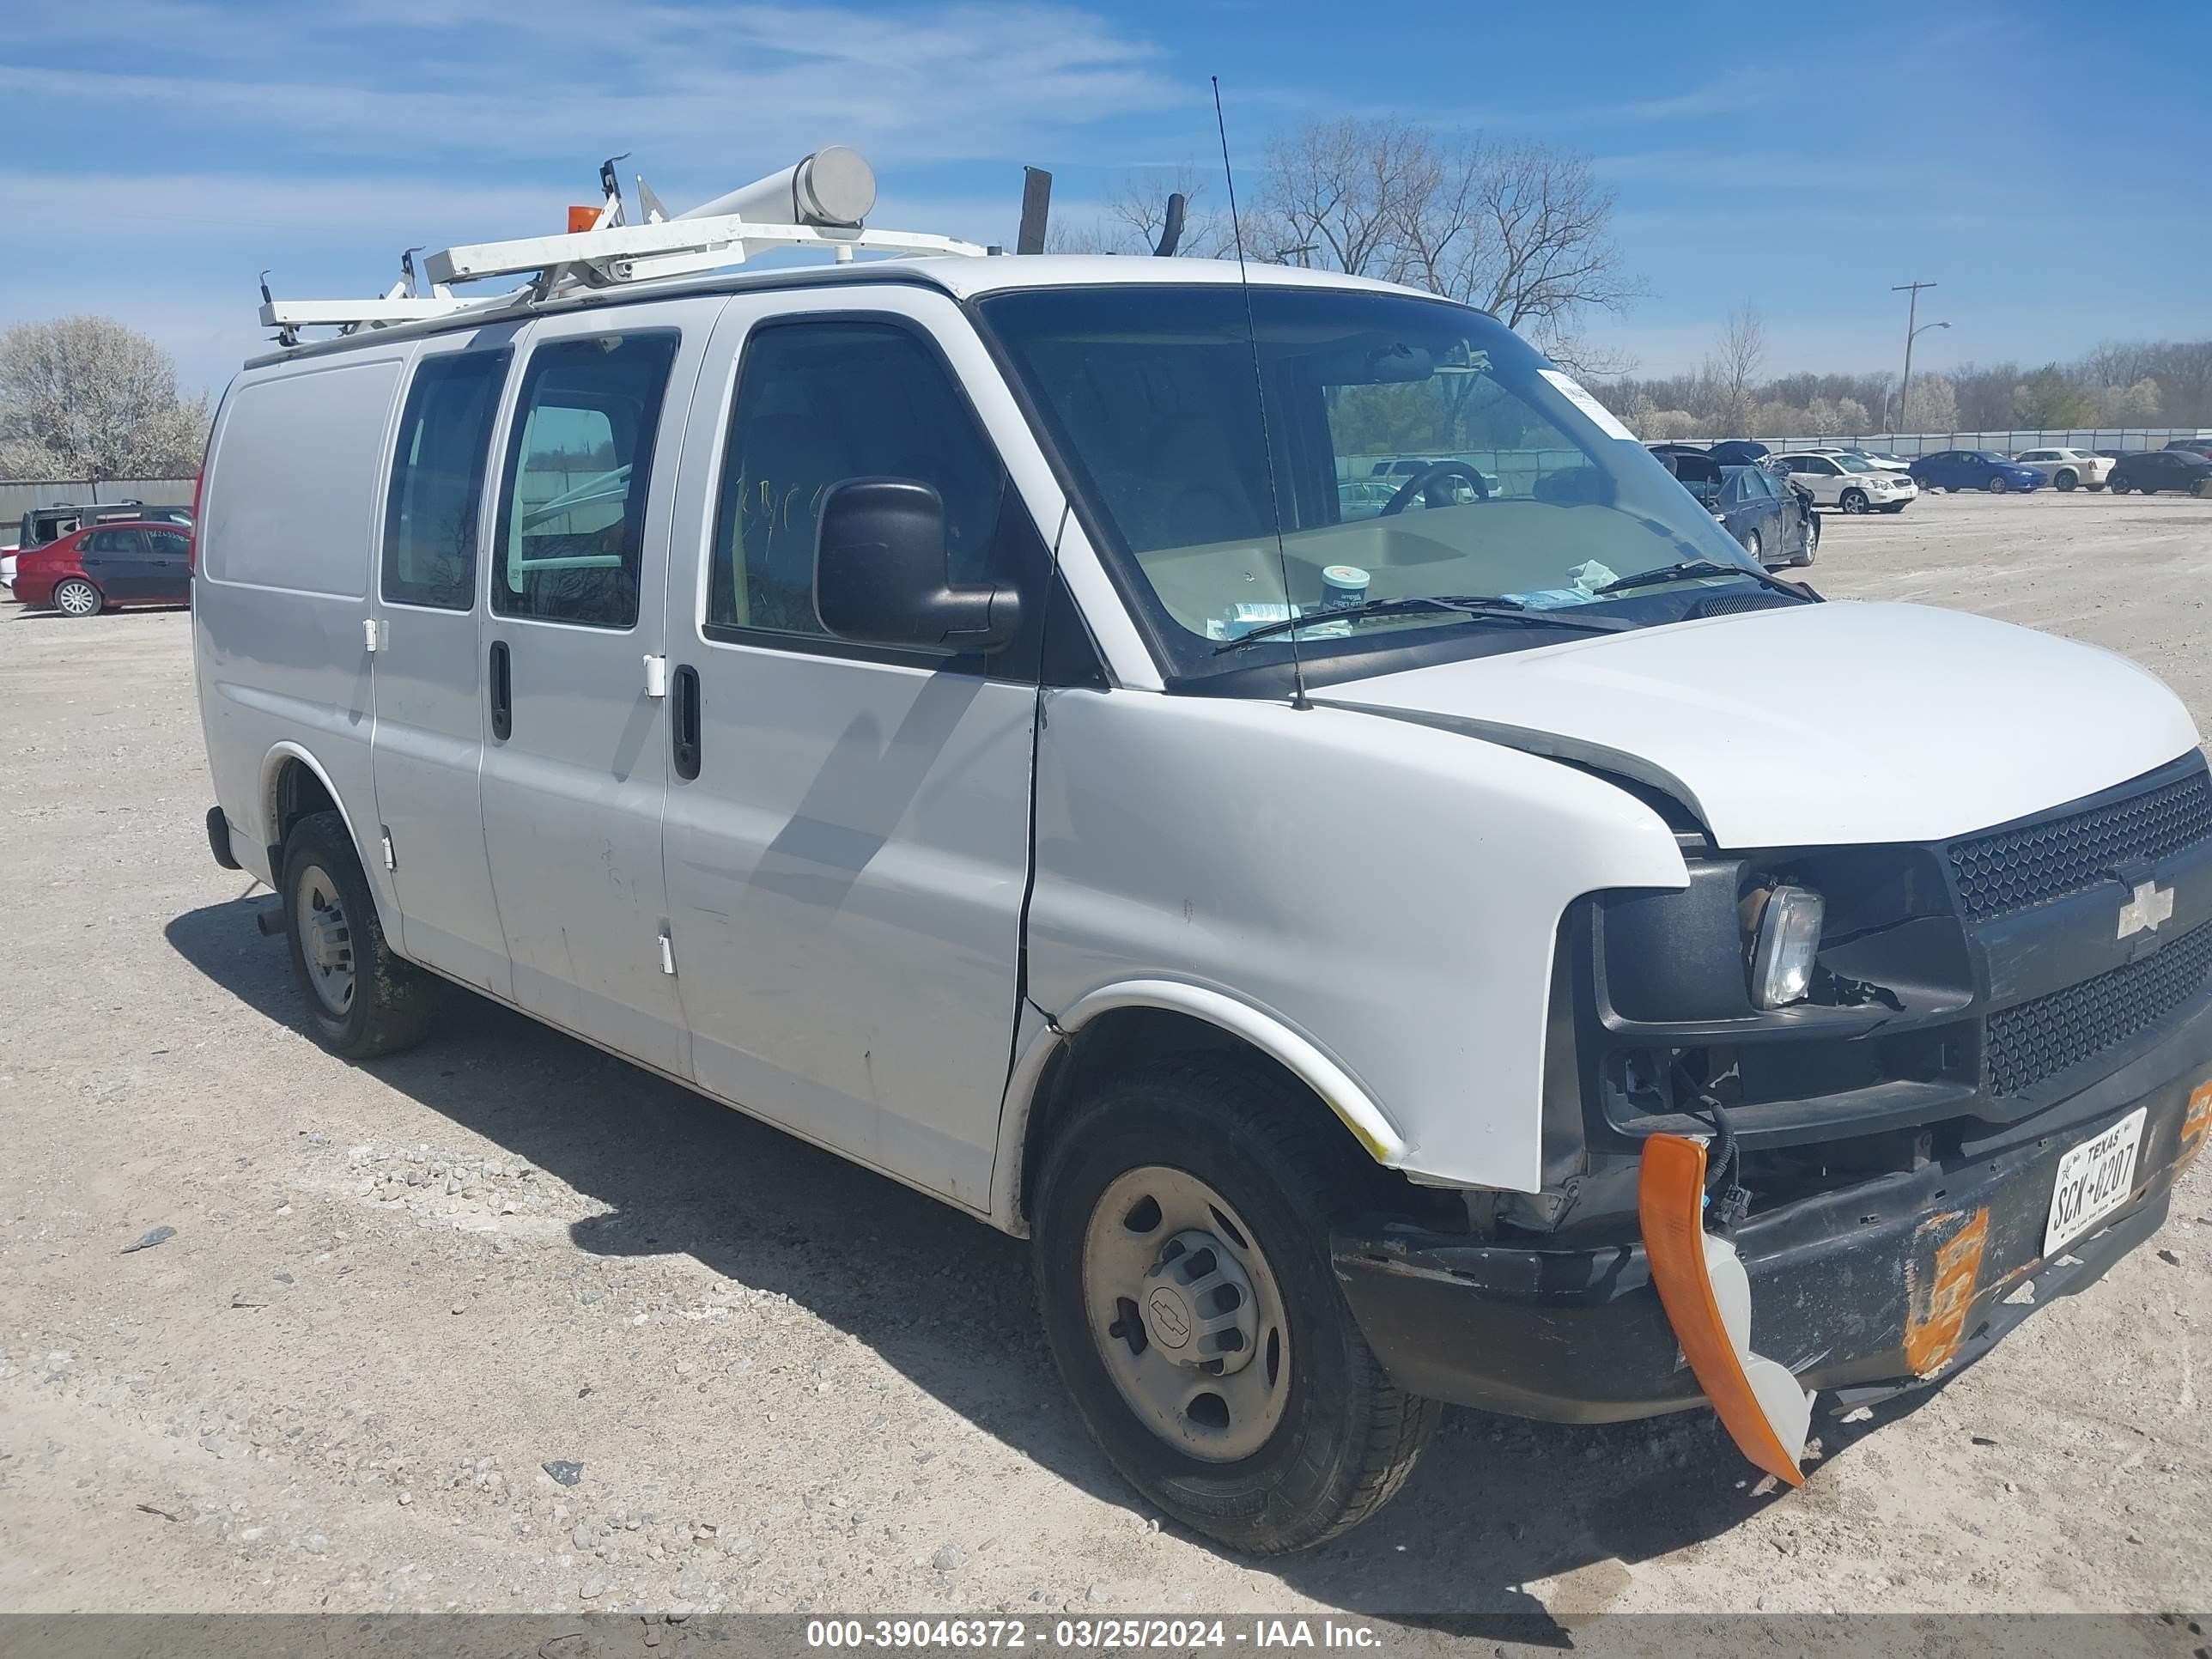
(1688, 567)
(1457, 607)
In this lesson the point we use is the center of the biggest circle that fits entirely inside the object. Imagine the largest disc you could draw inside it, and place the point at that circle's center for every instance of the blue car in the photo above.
(1974, 469)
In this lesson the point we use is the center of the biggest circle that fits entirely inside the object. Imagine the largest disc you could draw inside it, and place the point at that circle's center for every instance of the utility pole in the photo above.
(1911, 316)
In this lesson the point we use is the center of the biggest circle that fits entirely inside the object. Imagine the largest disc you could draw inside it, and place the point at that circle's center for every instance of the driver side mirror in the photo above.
(881, 576)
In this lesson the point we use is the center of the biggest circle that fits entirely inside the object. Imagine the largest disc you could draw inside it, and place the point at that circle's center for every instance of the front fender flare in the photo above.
(1299, 1055)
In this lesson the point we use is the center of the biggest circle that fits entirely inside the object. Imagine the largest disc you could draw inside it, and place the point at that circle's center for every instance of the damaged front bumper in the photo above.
(1867, 1290)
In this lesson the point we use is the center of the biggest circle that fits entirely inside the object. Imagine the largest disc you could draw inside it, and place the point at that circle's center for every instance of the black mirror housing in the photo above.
(881, 575)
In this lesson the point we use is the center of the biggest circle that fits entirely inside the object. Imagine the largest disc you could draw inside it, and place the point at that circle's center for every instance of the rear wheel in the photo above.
(361, 999)
(2117, 486)
(1854, 501)
(2067, 478)
(1184, 1274)
(77, 597)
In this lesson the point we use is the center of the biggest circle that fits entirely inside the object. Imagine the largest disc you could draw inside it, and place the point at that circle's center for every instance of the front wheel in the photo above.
(1996, 486)
(363, 1000)
(2067, 480)
(76, 598)
(1754, 546)
(1854, 501)
(2117, 486)
(1812, 548)
(1184, 1274)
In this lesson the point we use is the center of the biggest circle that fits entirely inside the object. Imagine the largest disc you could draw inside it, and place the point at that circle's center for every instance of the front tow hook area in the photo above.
(1706, 1293)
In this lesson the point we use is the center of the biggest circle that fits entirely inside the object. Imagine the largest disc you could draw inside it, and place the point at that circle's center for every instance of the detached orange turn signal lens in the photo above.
(1707, 1296)
(583, 218)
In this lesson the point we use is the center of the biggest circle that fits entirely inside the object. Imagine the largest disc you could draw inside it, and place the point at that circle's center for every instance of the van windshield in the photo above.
(1421, 450)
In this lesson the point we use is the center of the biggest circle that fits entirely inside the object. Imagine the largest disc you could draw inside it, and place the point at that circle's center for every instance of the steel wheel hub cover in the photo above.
(1186, 1314)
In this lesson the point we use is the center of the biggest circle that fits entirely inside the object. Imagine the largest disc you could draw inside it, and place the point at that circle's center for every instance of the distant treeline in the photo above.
(2129, 383)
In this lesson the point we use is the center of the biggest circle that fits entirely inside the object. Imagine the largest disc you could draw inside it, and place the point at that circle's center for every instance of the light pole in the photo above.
(1912, 313)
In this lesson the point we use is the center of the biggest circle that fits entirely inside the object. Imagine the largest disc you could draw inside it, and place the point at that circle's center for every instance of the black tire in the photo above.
(1854, 502)
(1812, 548)
(1996, 486)
(75, 597)
(393, 1003)
(1753, 545)
(2117, 486)
(1346, 1438)
(2067, 479)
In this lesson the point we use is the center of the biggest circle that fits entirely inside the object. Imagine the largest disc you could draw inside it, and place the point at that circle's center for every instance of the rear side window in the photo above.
(572, 513)
(820, 403)
(168, 544)
(437, 480)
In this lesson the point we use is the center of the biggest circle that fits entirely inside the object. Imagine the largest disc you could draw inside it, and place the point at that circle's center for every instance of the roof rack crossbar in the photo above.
(826, 194)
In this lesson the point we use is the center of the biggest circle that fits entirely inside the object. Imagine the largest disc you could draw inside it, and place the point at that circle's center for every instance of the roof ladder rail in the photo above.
(822, 201)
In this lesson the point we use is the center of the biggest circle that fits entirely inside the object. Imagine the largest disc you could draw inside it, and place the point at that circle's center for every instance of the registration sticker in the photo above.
(2094, 1179)
(2198, 1119)
(1578, 395)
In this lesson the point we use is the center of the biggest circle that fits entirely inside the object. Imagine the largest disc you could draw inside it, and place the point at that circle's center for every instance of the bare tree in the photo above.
(1520, 231)
(1732, 371)
(86, 398)
(1340, 194)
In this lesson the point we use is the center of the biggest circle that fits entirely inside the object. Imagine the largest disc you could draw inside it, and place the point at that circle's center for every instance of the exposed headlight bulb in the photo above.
(1782, 928)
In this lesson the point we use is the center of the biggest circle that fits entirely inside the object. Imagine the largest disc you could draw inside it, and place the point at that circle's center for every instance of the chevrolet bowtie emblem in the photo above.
(2151, 905)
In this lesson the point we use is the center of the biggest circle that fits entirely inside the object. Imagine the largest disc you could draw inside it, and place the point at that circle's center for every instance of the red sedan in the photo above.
(103, 567)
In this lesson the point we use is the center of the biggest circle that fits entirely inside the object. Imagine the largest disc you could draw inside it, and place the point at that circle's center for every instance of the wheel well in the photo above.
(1122, 1040)
(298, 794)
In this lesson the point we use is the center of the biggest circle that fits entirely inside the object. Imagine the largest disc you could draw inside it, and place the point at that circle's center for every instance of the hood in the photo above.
(1817, 724)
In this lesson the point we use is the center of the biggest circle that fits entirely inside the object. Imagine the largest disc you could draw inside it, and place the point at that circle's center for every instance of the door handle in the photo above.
(502, 691)
(683, 722)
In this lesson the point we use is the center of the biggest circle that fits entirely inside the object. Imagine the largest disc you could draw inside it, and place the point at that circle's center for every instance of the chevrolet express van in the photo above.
(1500, 946)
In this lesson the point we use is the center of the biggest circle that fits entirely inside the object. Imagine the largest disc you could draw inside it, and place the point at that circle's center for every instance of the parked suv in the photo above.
(1508, 950)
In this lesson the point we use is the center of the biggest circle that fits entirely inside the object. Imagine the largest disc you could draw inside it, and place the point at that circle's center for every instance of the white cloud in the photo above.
(470, 79)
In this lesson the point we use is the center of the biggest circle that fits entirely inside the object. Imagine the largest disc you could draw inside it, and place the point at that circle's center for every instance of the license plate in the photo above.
(2094, 1179)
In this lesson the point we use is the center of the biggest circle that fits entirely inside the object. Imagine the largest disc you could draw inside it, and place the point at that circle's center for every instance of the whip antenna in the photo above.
(1259, 399)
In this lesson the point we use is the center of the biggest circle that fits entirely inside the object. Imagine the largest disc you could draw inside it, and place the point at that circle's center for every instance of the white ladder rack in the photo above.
(612, 254)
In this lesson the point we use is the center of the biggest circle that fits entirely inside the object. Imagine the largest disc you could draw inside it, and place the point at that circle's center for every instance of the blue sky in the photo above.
(161, 154)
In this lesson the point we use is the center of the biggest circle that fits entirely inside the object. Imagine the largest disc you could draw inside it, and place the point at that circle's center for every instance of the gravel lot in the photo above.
(395, 1292)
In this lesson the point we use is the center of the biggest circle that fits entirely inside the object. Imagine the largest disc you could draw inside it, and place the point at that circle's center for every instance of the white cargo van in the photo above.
(1500, 948)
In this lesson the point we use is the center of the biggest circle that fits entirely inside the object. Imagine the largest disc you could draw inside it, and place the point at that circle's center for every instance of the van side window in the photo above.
(819, 403)
(437, 480)
(572, 514)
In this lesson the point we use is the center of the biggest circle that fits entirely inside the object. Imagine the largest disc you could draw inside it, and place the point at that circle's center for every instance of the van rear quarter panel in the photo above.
(1389, 892)
(290, 513)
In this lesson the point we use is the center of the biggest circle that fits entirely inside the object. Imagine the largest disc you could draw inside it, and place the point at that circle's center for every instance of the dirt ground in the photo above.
(396, 1293)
